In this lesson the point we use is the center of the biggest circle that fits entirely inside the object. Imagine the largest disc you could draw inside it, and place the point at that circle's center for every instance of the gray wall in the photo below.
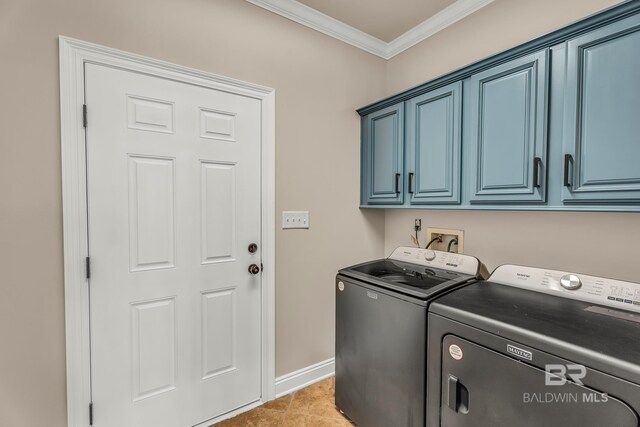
(319, 83)
(602, 244)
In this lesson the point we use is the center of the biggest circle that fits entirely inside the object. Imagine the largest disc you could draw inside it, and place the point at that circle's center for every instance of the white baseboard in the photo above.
(293, 381)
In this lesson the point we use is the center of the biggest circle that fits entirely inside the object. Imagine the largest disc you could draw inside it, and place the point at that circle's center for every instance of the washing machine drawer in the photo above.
(480, 387)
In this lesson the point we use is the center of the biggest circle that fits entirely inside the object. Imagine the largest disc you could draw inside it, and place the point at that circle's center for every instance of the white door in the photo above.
(173, 204)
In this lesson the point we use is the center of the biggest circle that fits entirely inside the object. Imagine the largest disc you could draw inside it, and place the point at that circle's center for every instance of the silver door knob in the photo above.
(254, 269)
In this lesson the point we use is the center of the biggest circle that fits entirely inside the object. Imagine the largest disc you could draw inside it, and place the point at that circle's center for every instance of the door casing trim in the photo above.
(74, 54)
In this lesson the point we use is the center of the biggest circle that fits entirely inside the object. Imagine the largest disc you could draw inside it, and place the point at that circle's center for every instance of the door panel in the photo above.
(154, 350)
(433, 146)
(218, 318)
(218, 211)
(151, 213)
(150, 114)
(480, 387)
(508, 131)
(173, 194)
(601, 115)
(382, 151)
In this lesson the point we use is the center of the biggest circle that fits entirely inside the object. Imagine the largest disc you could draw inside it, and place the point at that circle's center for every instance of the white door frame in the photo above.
(74, 54)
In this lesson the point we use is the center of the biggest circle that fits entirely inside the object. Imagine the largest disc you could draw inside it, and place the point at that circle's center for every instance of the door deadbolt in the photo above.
(253, 248)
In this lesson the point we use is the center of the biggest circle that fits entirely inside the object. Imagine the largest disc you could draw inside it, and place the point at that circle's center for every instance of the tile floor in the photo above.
(310, 407)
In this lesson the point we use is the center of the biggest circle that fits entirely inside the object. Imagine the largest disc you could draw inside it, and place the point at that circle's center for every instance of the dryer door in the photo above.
(481, 387)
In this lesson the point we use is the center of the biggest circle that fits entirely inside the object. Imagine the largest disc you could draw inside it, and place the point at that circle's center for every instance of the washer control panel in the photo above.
(459, 263)
(592, 289)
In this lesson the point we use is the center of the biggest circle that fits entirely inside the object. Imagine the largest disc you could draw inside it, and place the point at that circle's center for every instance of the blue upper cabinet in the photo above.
(602, 115)
(382, 156)
(551, 124)
(433, 146)
(507, 131)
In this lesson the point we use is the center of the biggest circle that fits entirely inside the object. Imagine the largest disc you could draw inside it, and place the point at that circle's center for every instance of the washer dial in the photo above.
(570, 282)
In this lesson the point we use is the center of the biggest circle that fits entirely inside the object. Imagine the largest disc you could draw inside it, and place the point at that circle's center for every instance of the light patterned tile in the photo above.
(258, 417)
(317, 399)
(312, 406)
(280, 404)
(325, 408)
(306, 420)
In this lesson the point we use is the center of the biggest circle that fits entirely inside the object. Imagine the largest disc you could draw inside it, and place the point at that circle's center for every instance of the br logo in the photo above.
(556, 374)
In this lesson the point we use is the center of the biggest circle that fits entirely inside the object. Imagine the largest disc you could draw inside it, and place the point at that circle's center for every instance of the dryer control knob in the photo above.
(570, 281)
(430, 255)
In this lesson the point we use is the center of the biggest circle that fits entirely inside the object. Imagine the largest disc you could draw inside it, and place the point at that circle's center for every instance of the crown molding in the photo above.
(438, 22)
(305, 15)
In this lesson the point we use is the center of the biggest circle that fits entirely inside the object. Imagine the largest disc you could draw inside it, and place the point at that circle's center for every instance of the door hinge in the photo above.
(88, 267)
(91, 413)
(84, 115)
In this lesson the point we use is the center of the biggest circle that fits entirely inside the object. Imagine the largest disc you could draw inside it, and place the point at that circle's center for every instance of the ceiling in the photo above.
(381, 27)
(383, 19)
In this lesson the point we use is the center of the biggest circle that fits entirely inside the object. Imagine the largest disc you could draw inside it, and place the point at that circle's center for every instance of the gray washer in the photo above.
(381, 332)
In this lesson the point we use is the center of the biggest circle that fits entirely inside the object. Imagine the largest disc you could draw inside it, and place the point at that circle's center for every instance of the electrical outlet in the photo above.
(447, 236)
(417, 226)
(295, 219)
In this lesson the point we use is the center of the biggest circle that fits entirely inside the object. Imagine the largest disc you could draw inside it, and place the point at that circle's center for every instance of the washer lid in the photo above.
(407, 278)
(418, 272)
(404, 273)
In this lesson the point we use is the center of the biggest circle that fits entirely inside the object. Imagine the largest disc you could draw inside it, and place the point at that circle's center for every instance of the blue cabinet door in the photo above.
(602, 115)
(508, 136)
(382, 156)
(433, 146)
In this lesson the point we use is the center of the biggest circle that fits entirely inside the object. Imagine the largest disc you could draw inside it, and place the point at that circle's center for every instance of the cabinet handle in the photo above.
(568, 161)
(410, 182)
(537, 163)
(397, 183)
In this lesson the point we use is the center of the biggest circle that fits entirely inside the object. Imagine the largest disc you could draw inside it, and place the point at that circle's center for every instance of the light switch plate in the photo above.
(295, 219)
